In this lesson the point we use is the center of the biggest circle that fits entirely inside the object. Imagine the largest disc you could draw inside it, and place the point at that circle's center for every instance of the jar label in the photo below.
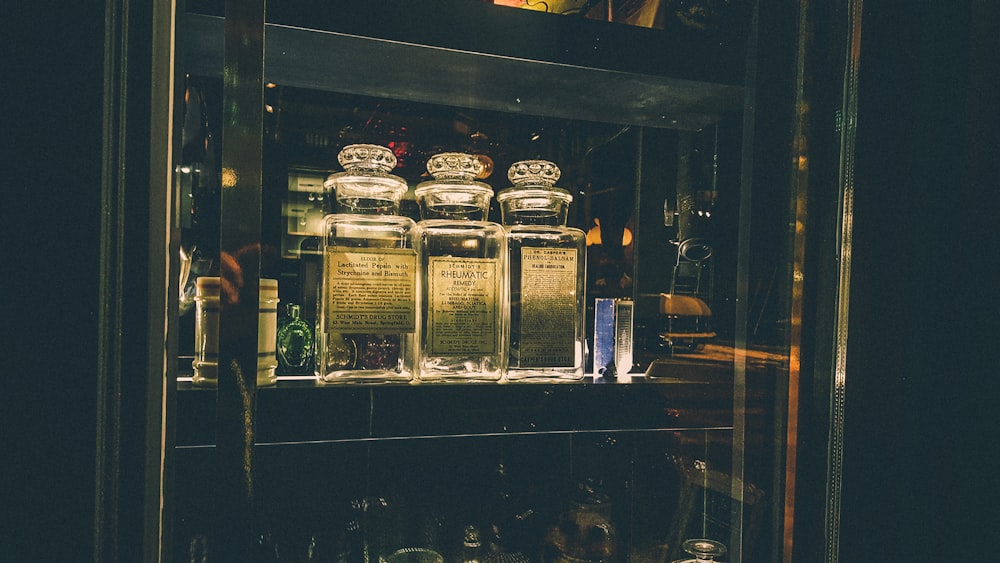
(548, 308)
(370, 291)
(463, 302)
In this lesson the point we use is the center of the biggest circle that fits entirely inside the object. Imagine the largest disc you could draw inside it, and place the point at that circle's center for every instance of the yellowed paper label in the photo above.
(370, 291)
(548, 307)
(463, 301)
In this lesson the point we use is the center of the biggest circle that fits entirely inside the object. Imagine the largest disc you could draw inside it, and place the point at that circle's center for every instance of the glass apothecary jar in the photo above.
(462, 269)
(367, 315)
(546, 265)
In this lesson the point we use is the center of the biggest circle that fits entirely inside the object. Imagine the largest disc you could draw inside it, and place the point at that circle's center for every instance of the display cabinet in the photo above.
(707, 147)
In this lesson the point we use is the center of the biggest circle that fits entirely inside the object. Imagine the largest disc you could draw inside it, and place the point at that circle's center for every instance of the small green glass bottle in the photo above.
(295, 343)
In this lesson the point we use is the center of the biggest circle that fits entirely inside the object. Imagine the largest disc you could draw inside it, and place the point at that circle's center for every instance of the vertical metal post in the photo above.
(845, 227)
(240, 245)
(742, 284)
(800, 220)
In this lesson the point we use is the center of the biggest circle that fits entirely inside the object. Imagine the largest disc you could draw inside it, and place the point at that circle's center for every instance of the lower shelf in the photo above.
(300, 411)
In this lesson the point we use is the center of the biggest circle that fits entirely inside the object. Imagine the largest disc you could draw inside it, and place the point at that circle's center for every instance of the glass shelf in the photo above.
(298, 410)
(430, 74)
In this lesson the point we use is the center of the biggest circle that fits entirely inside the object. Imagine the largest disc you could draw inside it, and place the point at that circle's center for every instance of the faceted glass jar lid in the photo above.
(454, 192)
(534, 199)
(535, 179)
(366, 181)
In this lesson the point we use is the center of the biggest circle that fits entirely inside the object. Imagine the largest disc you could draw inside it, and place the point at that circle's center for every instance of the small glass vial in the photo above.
(462, 274)
(367, 314)
(547, 271)
(295, 343)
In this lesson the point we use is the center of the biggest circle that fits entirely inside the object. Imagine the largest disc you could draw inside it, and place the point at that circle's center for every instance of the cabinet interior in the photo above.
(685, 445)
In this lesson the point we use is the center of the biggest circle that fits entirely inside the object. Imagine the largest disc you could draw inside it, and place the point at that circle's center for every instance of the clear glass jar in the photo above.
(546, 264)
(462, 270)
(367, 314)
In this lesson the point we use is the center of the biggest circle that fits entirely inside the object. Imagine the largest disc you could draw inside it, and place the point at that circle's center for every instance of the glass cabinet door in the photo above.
(682, 131)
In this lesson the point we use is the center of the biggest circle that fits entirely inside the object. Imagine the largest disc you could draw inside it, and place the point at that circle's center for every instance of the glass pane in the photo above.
(651, 138)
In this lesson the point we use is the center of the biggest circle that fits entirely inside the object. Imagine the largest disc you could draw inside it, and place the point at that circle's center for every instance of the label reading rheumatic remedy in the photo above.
(463, 295)
(370, 291)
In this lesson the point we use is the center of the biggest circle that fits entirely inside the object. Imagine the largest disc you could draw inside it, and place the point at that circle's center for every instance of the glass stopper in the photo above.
(533, 173)
(704, 550)
(367, 157)
(471, 537)
(455, 166)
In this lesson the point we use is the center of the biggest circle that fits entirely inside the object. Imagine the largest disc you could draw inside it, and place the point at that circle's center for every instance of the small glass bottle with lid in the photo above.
(472, 547)
(294, 343)
(704, 550)
(462, 274)
(367, 314)
(546, 266)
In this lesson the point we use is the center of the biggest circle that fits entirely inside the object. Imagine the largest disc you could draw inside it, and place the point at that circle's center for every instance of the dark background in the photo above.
(920, 453)
(920, 457)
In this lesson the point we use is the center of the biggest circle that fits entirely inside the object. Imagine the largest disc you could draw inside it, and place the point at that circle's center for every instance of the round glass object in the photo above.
(454, 192)
(704, 550)
(533, 199)
(366, 187)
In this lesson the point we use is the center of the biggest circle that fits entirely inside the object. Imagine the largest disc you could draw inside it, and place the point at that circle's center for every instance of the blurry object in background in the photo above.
(472, 547)
(654, 14)
(707, 498)
(415, 555)
(196, 177)
(685, 322)
(698, 14)
(193, 264)
(306, 202)
(584, 532)
(641, 13)
(594, 235)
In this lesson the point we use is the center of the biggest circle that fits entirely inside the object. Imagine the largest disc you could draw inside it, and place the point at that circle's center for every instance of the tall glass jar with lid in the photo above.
(546, 267)
(367, 315)
(462, 257)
